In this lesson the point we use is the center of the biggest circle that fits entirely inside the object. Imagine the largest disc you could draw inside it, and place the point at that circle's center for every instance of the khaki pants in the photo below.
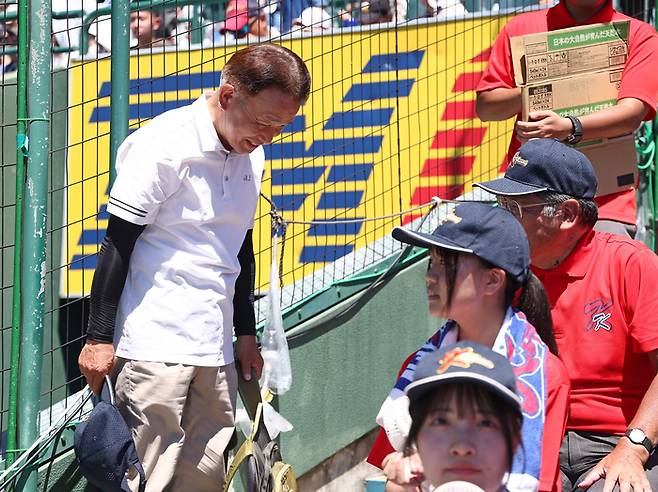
(181, 418)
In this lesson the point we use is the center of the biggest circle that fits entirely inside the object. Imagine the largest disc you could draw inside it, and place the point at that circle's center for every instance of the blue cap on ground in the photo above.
(465, 362)
(546, 164)
(105, 448)
(491, 233)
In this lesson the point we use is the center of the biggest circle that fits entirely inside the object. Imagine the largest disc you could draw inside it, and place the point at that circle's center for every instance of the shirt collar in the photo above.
(499, 345)
(560, 18)
(210, 142)
(577, 263)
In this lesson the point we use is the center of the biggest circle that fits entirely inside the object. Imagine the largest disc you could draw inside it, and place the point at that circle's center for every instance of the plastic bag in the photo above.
(277, 373)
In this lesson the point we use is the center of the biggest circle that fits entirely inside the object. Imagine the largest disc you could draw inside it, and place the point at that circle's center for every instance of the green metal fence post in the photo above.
(34, 238)
(655, 155)
(120, 78)
(21, 145)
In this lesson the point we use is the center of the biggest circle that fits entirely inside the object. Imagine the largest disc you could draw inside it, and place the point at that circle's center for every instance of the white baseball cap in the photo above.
(314, 19)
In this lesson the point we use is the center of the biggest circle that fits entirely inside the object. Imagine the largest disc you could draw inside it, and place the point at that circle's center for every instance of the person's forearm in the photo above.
(110, 277)
(645, 417)
(621, 119)
(244, 318)
(106, 288)
(498, 104)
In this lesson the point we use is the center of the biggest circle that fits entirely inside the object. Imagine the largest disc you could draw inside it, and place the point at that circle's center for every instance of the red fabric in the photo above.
(605, 314)
(642, 59)
(555, 424)
(557, 400)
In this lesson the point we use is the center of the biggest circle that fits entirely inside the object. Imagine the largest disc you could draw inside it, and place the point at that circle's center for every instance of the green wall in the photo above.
(342, 374)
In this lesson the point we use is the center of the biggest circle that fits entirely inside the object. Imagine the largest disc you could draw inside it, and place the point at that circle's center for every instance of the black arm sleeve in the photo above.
(110, 277)
(244, 318)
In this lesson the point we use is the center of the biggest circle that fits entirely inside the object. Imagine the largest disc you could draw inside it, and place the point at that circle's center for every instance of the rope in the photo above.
(279, 228)
(434, 202)
(280, 224)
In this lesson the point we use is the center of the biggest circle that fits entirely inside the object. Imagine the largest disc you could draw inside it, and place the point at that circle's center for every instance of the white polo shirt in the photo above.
(198, 200)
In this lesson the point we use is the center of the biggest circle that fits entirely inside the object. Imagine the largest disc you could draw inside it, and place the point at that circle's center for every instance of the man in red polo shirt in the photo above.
(499, 98)
(603, 290)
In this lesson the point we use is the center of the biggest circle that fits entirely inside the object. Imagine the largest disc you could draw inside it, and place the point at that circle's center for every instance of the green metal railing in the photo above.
(21, 154)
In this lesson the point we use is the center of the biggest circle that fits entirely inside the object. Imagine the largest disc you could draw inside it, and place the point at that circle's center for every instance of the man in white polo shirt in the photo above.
(176, 269)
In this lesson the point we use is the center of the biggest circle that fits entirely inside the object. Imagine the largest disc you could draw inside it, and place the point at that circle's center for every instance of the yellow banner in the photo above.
(390, 123)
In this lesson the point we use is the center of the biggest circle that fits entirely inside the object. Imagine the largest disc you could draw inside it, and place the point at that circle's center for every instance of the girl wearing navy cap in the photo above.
(465, 417)
(479, 265)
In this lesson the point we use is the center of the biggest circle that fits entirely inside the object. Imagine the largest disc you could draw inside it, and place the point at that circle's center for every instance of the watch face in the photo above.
(636, 436)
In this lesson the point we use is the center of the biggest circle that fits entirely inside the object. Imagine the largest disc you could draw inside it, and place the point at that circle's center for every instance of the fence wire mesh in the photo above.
(390, 123)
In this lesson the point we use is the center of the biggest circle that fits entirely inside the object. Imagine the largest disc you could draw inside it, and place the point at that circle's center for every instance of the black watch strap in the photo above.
(576, 132)
(637, 436)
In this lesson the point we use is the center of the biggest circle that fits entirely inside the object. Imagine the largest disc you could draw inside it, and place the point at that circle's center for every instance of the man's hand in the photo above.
(246, 351)
(624, 465)
(543, 124)
(404, 471)
(96, 361)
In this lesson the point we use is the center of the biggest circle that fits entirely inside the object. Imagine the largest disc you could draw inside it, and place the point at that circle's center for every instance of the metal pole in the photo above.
(120, 79)
(655, 155)
(196, 25)
(34, 241)
(21, 145)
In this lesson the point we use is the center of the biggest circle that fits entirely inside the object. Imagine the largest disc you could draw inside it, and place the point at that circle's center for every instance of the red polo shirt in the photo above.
(636, 82)
(605, 314)
(557, 401)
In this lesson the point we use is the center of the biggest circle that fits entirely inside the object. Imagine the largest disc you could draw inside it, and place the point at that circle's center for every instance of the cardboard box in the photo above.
(614, 161)
(566, 52)
(578, 95)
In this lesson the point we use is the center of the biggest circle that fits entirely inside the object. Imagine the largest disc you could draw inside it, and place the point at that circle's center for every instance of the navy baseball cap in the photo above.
(491, 233)
(104, 446)
(465, 362)
(546, 164)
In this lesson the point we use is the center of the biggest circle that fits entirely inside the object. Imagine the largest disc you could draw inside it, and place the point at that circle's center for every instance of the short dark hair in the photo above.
(469, 397)
(588, 211)
(268, 65)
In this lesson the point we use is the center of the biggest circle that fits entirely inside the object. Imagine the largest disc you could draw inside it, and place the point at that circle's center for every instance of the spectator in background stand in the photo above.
(149, 28)
(100, 36)
(346, 16)
(245, 20)
(9, 37)
(67, 31)
(314, 19)
(375, 12)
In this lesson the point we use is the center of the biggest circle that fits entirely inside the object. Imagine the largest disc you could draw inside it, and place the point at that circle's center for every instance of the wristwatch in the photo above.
(576, 132)
(637, 436)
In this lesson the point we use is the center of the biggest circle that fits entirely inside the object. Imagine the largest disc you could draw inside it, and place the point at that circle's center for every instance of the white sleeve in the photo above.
(145, 179)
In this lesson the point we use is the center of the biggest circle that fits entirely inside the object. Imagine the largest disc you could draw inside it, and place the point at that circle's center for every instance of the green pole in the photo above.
(655, 154)
(195, 25)
(120, 78)
(34, 240)
(21, 145)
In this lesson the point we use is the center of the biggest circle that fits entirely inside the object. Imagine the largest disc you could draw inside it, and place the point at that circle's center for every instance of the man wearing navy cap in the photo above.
(604, 304)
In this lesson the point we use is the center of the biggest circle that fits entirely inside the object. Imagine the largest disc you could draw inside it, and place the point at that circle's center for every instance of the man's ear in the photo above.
(226, 96)
(568, 213)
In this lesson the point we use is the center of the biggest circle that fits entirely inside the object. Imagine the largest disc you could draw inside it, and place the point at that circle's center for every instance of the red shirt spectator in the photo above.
(637, 98)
